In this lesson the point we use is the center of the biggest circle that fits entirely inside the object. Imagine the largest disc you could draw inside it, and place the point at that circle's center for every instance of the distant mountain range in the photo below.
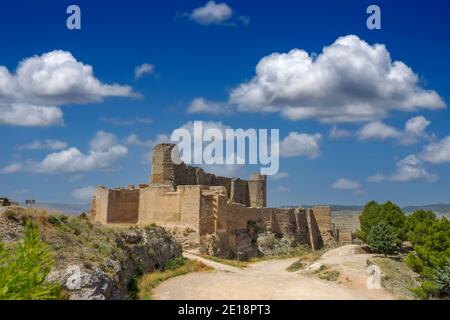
(73, 208)
(69, 208)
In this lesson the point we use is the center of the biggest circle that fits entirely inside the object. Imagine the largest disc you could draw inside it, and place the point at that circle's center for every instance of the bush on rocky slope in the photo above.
(93, 261)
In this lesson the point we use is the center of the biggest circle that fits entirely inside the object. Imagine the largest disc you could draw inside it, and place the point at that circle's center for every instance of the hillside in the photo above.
(92, 261)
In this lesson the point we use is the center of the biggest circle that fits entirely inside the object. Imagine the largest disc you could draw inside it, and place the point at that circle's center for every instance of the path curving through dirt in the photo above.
(269, 280)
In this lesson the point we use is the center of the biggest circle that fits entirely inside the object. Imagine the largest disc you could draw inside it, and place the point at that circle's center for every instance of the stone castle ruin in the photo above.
(225, 214)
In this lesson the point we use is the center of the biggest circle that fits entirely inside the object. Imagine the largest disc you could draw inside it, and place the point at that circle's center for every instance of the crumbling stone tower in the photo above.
(251, 193)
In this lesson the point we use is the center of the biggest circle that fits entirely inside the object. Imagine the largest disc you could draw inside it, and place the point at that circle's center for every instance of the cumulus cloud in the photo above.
(349, 81)
(414, 131)
(103, 141)
(143, 69)
(377, 131)
(104, 152)
(27, 115)
(300, 144)
(52, 144)
(84, 193)
(411, 168)
(213, 13)
(201, 105)
(347, 184)
(32, 95)
(408, 169)
(437, 152)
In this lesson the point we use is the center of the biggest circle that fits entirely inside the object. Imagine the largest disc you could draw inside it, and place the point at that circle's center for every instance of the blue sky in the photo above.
(56, 149)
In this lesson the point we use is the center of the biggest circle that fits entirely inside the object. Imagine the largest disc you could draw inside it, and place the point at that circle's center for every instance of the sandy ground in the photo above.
(270, 280)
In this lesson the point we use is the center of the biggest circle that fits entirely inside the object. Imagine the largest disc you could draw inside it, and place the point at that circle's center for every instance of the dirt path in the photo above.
(270, 280)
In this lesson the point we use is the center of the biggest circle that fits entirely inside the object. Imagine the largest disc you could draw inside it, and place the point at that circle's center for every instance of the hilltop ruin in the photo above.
(227, 214)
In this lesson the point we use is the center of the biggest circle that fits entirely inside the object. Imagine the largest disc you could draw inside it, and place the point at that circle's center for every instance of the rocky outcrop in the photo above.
(145, 249)
(94, 262)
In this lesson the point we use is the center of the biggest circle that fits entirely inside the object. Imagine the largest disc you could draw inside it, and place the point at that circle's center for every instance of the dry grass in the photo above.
(229, 262)
(325, 272)
(398, 278)
(297, 265)
(174, 268)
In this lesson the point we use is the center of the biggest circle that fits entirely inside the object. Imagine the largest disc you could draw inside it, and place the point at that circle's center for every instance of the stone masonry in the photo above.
(226, 214)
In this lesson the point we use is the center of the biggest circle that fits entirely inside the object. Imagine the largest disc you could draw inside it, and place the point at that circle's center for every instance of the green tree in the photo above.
(443, 280)
(24, 267)
(388, 213)
(382, 238)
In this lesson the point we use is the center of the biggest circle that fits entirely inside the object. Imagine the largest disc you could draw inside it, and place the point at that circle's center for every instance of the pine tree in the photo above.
(382, 238)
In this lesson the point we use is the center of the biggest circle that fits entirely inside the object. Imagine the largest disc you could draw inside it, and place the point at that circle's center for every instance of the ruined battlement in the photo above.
(227, 214)
(251, 193)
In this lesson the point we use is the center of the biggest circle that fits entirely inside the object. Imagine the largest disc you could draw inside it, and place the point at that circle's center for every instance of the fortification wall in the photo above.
(257, 191)
(327, 230)
(239, 192)
(99, 208)
(164, 171)
(123, 206)
(163, 206)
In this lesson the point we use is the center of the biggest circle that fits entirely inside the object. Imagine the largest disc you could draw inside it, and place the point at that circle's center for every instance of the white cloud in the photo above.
(376, 178)
(51, 144)
(338, 133)
(349, 81)
(26, 115)
(300, 144)
(11, 168)
(103, 141)
(201, 105)
(103, 154)
(413, 132)
(143, 69)
(83, 194)
(437, 152)
(212, 13)
(411, 168)
(417, 125)
(377, 131)
(346, 184)
(279, 176)
(32, 96)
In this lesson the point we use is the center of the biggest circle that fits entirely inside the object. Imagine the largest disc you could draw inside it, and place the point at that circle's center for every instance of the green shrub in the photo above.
(24, 267)
(388, 213)
(382, 238)
(443, 280)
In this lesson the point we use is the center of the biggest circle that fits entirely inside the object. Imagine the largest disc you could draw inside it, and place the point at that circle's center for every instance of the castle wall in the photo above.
(123, 206)
(163, 206)
(239, 192)
(164, 171)
(257, 191)
(99, 208)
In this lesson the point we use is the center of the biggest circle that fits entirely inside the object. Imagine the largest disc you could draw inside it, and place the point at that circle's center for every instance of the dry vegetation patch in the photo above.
(174, 268)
